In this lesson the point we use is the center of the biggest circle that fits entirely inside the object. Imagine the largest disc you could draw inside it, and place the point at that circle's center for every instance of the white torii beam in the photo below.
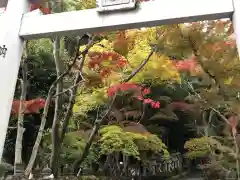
(15, 27)
(150, 13)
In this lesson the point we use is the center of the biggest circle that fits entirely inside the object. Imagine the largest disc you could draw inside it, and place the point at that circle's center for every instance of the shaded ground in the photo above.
(196, 176)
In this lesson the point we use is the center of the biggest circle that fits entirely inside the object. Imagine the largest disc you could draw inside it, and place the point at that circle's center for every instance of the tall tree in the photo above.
(18, 166)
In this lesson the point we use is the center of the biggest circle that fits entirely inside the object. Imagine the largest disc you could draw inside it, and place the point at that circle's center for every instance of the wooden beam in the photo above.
(148, 14)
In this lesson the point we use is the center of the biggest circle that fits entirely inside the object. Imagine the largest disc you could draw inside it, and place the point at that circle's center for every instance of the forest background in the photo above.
(98, 99)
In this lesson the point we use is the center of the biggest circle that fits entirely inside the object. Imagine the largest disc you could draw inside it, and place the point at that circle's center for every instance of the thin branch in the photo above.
(69, 89)
(237, 152)
(78, 54)
(144, 106)
(12, 127)
(78, 79)
(140, 67)
(199, 59)
(212, 108)
(143, 113)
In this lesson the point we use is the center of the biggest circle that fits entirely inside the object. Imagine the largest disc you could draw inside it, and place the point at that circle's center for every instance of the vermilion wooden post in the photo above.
(11, 47)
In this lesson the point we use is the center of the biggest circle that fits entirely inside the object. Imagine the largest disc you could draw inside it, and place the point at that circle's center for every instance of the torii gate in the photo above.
(16, 26)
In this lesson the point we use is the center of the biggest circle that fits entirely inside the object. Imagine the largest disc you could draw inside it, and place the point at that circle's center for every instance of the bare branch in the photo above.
(140, 67)
(69, 89)
(12, 127)
(212, 108)
(69, 108)
(78, 79)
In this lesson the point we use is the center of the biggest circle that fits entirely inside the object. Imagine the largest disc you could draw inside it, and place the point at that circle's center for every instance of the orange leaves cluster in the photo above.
(120, 45)
(106, 62)
(219, 46)
(126, 87)
(124, 42)
(31, 106)
(39, 4)
(192, 66)
(185, 65)
(188, 65)
(223, 25)
(138, 91)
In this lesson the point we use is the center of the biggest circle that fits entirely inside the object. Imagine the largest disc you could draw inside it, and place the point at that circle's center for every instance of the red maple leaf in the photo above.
(31, 106)
(37, 4)
(106, 62)
(139, 92)
(124, 87)
(186, 65)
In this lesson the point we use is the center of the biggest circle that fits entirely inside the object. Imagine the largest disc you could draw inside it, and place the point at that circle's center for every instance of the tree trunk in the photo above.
(46, 107)
(60, 137)
(40, 133)
(58, 100)
(18, 166)
(58, 107)
(70, 107)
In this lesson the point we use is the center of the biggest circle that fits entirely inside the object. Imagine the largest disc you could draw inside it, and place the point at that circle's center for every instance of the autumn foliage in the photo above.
(139, 92)
(39, 4)
(185, 65)
(31, 106)
(218, 46)
(106, 62)
(121, 43)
